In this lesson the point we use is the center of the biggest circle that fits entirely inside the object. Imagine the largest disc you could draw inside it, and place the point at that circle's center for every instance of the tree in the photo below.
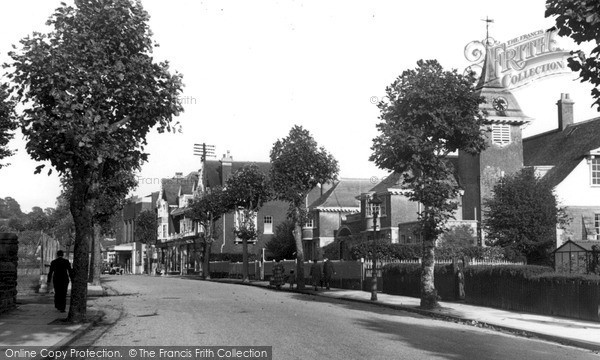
(522, 216)
(297, 166)
(580, 20)
(247, 190)
(10, 208)
(283, 244)
(91, 93)
(7, 121)
(457, 239)
(428, 113)
(146, 224)
(206, 210)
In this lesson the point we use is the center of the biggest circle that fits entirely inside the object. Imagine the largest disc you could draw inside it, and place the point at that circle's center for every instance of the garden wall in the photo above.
(8, 270)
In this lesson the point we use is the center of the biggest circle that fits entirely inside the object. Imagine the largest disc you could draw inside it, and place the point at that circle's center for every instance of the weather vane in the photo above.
(487, 30)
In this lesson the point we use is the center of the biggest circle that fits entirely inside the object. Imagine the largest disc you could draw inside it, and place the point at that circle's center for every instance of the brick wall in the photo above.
(8, 271)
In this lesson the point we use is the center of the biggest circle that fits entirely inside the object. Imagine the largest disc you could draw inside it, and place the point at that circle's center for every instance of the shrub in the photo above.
(501, 271)
(233, 257)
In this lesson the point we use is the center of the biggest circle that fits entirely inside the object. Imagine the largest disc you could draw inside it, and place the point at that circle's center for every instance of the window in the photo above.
(597, 225)
(500, 134)
(371, 208)
(164, 231)
(309, 223)
(595, 167)
(268, 224)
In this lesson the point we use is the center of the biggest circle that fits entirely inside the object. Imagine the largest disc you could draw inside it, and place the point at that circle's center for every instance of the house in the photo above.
(335, 202)
(128, 250)
(569, 159)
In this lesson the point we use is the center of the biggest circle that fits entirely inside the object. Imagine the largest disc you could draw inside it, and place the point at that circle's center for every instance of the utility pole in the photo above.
(203, 150)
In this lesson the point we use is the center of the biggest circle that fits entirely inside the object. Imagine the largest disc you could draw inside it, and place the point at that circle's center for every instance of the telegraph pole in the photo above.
(203, 150)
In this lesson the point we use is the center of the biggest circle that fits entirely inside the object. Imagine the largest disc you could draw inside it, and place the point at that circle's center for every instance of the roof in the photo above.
(171, 187)
(582, 244)
(214, 173)
(342, 195)
(393, 183)
(563, 150)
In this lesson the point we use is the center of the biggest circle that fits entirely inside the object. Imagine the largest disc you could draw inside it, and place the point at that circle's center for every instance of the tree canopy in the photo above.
(522, 216)
(580, 20)
(7, 121)
(298, 164)
(91, 93)
(427, 114)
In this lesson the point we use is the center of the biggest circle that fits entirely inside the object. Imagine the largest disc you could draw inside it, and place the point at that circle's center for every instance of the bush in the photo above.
(233, 257)
(503, 271)
(386, 250)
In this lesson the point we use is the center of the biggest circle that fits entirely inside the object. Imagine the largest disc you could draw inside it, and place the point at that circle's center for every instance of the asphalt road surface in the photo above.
(161, 311)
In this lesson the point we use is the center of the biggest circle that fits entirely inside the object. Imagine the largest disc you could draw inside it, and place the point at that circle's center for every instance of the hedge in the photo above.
(405, 279)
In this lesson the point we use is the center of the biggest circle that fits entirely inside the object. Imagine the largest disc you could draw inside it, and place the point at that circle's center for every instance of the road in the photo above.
(161, 311)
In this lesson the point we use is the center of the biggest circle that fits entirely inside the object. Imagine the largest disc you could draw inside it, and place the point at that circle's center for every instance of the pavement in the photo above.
(35, 321)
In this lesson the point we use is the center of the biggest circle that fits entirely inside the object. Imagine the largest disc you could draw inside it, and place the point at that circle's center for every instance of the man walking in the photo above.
(328, 272)
(60, 273)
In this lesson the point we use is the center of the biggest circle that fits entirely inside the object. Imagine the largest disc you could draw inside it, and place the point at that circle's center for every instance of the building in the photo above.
(334, 203)
(128, 250)
(569, 159)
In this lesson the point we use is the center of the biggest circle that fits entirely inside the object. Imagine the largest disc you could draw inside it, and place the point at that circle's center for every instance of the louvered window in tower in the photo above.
(501, 134)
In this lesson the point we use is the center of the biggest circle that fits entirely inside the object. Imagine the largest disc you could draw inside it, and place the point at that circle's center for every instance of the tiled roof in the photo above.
(343, 194)
(562, 149)
(214, 174)
(171, 187)
(394, 180)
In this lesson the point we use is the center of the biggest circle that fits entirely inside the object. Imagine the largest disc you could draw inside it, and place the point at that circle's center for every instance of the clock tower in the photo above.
(504, 154)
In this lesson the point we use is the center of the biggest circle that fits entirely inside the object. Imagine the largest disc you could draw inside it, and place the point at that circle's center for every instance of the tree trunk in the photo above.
(149, 260)
(245, 260)
(299, 251)
(82, 217)
(429, 297)
(95, 258)
(206, 262)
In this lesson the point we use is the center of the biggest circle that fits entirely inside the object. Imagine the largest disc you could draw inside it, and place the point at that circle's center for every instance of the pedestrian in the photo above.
(315, 274)
(59, 274)
(292, 279)
(328, 272)
(278, 274)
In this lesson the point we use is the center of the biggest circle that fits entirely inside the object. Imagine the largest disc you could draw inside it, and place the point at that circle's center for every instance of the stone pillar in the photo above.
(8, 270)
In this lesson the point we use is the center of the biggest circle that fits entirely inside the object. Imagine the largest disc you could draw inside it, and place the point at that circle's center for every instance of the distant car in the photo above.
(116, 270)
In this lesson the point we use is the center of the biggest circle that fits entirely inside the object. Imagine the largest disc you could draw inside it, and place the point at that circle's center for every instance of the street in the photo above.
(161, 311)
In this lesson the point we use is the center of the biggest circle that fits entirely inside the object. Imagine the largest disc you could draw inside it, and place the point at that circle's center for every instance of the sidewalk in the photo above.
(35, 322)
(578, 333)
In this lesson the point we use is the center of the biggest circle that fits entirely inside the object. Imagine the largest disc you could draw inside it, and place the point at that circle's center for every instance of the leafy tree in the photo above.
(247, 190)
(206, 210)
(146, 224)
(92, 92)
(580, 20)
(522, 216)
(427, 114)
(297, 166)
(7, 121)
(457, 238)
(10, 208)
(283, 244)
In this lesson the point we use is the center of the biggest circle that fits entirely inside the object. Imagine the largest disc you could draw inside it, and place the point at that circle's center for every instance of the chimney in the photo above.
(226, 165)
(178, 175)
(565, 111)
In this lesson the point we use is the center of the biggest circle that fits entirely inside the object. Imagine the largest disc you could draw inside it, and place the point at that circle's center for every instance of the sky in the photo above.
(254, 69)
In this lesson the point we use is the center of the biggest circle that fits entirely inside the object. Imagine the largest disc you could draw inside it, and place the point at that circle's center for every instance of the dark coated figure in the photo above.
(60, 273)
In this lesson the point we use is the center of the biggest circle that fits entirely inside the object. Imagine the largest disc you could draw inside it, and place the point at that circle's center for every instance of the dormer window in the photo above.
(500, 134)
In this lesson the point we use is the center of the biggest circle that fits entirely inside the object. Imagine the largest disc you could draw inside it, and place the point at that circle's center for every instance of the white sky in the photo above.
(253, 69)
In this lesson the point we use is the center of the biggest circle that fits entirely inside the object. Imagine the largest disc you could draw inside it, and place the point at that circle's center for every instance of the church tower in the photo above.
(504, 154)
